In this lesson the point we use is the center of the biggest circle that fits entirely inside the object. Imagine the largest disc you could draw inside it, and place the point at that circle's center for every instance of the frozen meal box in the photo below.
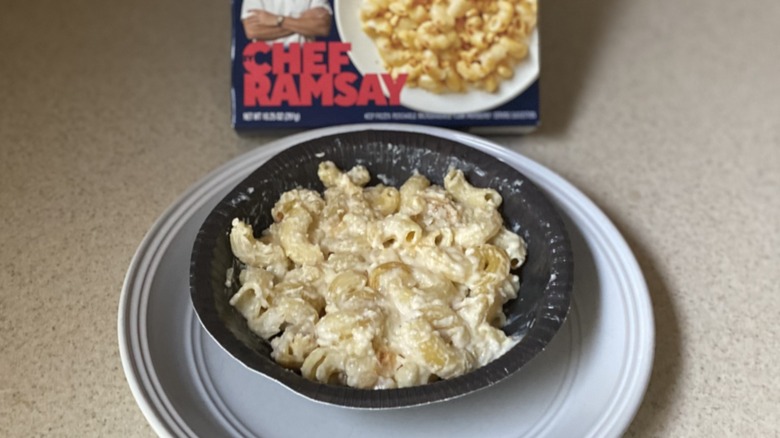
(452, 63)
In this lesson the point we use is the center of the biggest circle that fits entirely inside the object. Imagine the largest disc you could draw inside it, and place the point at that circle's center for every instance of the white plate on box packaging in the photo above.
(588, 383)
(365, 58)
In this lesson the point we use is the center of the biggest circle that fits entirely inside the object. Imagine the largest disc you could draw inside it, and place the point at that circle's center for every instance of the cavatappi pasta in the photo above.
(450, 45)
(378, 287)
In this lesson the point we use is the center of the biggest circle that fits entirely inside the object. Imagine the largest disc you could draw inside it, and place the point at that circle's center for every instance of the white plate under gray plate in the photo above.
(365, 58)
(589, 382)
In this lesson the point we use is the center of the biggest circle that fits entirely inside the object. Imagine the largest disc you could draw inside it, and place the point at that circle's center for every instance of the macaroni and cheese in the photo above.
(450, 45)
(380, 287)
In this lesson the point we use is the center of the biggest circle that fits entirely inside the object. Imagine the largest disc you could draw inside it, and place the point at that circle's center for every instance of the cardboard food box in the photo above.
(452, 63)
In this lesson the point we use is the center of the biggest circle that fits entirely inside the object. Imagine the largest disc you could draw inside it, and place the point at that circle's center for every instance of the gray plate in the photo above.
(186, 385)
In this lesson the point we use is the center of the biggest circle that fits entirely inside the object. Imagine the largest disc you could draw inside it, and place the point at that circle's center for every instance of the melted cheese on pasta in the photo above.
(378, 287)
(450, 46)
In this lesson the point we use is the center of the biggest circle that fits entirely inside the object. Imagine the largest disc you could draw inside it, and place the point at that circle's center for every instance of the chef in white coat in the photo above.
(286, 21)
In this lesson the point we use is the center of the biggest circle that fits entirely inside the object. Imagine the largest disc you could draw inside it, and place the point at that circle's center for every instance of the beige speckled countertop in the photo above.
(666, 113)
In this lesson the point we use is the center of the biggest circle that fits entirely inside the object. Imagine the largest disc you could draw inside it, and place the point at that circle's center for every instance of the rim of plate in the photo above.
(131, 327)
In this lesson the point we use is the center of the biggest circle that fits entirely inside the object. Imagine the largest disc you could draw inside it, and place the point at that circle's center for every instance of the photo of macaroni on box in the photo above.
(456, 55)
(450, 46)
